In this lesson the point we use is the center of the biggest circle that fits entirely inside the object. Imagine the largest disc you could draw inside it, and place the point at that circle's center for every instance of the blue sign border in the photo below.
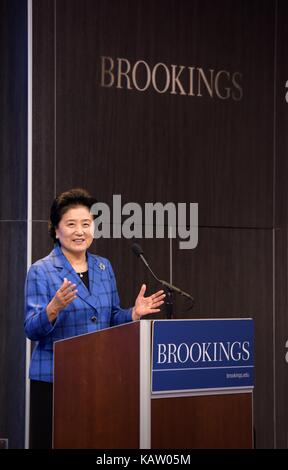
(217, 370)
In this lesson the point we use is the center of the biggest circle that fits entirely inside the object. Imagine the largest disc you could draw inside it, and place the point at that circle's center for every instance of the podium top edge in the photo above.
(201, 319)
(149, 320)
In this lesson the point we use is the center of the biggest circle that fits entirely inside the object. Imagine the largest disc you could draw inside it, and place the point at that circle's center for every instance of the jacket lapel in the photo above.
(95, 274)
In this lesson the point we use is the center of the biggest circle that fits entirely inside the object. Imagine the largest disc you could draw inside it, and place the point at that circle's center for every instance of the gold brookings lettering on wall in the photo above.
(173, 79)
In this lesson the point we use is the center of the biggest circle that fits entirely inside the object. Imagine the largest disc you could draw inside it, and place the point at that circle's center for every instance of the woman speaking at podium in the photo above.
(68, 293)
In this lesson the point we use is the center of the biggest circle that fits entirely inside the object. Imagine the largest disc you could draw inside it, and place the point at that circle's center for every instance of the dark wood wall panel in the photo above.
(13, 214)
(107, 137)
(281, 215)
(43, 108)
(281, 137)
(230, 274)
(281, 343)
(13, 105)
(44, 242)
(12, 337)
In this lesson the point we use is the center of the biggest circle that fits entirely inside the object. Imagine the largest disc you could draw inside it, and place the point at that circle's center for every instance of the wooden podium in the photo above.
(103, 400)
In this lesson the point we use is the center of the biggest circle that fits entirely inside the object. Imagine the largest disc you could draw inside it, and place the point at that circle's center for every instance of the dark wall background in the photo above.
(148, 146)
(281, 231)
(13, 216)
(229, 156)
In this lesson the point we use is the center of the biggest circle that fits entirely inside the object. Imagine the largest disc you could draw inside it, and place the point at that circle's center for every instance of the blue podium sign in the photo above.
(203, 354)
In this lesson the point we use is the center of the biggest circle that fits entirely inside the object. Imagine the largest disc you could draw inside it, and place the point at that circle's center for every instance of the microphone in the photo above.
(136, 248)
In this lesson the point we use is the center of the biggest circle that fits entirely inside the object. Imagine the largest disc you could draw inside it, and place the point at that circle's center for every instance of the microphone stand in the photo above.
(169, 303)
(169, 288)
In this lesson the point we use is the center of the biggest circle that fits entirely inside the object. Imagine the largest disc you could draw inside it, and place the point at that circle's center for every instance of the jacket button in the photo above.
(93, 318)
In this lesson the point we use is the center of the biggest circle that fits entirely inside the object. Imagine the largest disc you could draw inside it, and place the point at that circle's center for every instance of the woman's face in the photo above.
(75, 230)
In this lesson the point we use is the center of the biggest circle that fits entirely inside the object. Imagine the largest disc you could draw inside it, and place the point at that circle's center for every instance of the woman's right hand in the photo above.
(63, 297)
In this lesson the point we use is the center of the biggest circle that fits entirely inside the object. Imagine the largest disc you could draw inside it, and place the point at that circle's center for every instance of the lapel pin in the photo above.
(102, 266)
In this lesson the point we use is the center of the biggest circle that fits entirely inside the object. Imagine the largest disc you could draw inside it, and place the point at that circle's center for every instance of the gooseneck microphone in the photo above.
(139, 252)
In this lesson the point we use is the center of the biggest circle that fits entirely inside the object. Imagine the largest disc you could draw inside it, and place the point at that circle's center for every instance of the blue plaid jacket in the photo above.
(92, 310)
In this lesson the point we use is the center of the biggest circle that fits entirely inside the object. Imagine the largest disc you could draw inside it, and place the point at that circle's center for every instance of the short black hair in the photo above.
(65, 201)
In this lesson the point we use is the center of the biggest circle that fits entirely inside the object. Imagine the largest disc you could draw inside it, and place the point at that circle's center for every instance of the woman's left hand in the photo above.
(147, 305)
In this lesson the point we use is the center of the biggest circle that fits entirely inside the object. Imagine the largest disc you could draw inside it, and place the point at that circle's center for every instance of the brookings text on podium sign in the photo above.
(202, 355)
